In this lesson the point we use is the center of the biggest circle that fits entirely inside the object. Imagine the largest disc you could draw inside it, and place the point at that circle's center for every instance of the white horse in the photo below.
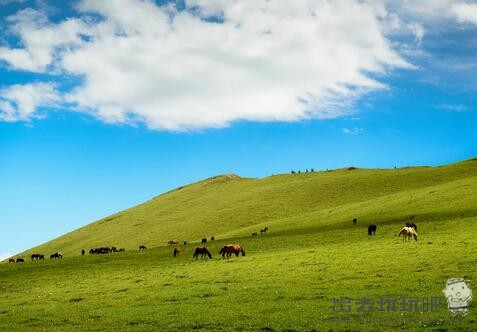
(408, 233)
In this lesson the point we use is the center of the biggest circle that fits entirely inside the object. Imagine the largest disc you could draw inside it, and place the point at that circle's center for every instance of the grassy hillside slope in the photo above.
(289, 277)
(233, 206)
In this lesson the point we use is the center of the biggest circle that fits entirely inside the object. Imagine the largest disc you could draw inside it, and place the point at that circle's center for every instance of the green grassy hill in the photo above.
(228, 205)
(289, 277)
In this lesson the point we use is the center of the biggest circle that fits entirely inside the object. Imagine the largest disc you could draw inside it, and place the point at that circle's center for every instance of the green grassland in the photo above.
(289, 277)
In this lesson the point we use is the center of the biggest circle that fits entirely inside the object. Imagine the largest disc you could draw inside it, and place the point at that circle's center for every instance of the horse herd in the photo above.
(226, 252)
(408, 232)
(104, 250)
(263, 230)
(36, 257)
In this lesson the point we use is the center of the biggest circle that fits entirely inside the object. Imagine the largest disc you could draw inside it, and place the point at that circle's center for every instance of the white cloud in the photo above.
(453, 107)
(180, 70)
(465, 12)
(21, 102)
(353, 131)
(42, 40)
(417, 30)
(424, 10)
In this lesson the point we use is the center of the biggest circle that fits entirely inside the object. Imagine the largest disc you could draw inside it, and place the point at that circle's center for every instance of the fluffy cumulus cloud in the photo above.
(207, 65)
(23, 102)
(465, 12)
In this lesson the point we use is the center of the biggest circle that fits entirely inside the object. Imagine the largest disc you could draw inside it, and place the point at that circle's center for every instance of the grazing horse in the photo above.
(411, 224)
(142, 248)
(11, 260)
(103, 250)
(20, 260)
(36, 257)
(56, 255)
(230, 249)
(254, 234)
(204, 241)
(121, 249)
(263, 230)
(202, 251)
(176, 251)
(408, 233)
(173, 242)
(372, 229)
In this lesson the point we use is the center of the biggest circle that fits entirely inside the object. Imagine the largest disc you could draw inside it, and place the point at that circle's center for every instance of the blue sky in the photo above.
(105, 106)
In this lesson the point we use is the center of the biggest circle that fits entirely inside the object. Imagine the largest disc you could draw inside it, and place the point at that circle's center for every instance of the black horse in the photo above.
(176, 251)
(102, 250)
(20, 260)
(372, 229)
(142, 248)
(37, 257)
(56, 255)
(204, 241)
(202, 251)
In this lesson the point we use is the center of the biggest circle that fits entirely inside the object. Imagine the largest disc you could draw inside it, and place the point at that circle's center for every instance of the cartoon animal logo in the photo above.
(458, 295)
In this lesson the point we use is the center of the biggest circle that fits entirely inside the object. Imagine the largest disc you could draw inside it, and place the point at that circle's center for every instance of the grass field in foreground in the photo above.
(289, 277)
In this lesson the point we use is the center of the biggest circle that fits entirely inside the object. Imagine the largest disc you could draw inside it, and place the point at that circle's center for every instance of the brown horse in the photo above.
(142, 248)
(11, 260)
(230, 249)
(20, 260)
(202, 251)
(173, 242)
(254, 234)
